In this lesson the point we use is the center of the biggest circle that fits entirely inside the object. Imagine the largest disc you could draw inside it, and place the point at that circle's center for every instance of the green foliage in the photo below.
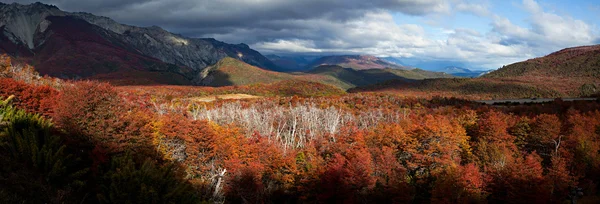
(26, 139)
(127, 181)
(521, 131)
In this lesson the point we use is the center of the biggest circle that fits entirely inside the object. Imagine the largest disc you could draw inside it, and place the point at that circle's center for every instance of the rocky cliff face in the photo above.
(196, 53)
(21, 23)
(26, 27)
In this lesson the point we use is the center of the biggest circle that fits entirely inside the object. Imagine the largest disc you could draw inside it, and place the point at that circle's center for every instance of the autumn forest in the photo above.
(91, 142)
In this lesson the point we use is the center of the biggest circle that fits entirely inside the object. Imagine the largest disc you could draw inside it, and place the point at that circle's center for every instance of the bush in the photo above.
(95, 113)
(26, 142)
(127, 181)
(31, 98)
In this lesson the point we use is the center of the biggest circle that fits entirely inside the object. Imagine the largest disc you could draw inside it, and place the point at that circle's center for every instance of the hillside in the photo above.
(358, 62)
(372, 76)
(230, 71)
(474, 89)
(571, 72)
(570, 62)
(291, 63)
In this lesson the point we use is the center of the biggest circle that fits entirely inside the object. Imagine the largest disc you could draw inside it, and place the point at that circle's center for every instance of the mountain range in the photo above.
(76, 45)
(81, 45)
(358, 62)
(230, 71)
(292, 63)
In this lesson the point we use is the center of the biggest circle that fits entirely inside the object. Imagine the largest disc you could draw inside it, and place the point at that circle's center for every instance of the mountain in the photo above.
(291, 63)
(454, 70)
(461, 72)
(394, 60)
(475, 89)
(358, 62)
(230, 71)
(581, 61)
(372, 76)
(81, 45)
(571, 72)
(574, 71)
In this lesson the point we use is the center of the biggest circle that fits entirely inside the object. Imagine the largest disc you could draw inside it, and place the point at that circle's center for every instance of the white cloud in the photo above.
(548, 31)
(295, 45)
(479, 9)
(376, 33)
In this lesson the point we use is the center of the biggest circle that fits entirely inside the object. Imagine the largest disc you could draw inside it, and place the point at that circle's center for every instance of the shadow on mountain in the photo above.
(216, 78)
(357, 78)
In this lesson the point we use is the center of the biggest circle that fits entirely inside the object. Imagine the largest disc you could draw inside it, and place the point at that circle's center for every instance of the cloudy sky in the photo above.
(482, 34)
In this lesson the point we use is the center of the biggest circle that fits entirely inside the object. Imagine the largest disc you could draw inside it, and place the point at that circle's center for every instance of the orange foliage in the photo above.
(462, 184)
(95, 113)
(439, 150)
(32, 98)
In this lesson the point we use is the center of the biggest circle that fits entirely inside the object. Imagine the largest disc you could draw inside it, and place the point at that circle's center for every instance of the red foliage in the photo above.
(422, 155)
(196, 137)
(95, 113)
(347, 177)
(520, 181)
(462, 184)
(32, 98)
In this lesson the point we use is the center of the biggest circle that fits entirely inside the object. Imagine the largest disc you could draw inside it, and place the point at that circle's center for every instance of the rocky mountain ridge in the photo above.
(24, 32)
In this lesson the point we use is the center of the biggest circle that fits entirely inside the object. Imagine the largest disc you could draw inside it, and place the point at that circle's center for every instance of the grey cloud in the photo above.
(220, 17)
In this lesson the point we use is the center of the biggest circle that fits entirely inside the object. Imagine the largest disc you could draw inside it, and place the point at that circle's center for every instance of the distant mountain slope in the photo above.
(358, 62)
(394, 60)
(571, 72)
(372, 76)
(460, 87)
(230, 71)
(570, 62)
(461, 72)
(81, 45)
(290, 63)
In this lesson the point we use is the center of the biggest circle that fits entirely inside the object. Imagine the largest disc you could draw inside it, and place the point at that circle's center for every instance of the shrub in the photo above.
(127, 181)
(95, 113)
(31, 98)
(27, 142)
